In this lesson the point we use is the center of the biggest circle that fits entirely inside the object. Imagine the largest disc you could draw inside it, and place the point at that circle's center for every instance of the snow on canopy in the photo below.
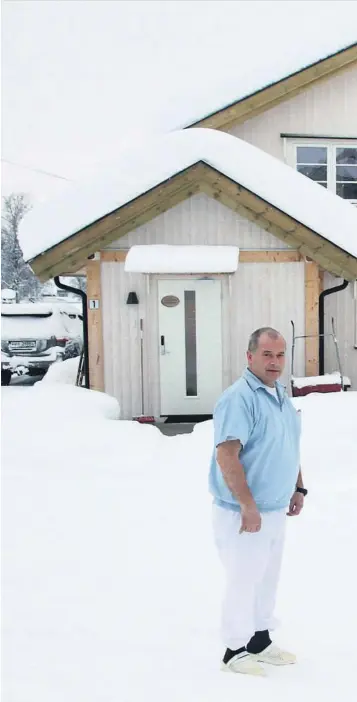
(182, 259)
(141, 169)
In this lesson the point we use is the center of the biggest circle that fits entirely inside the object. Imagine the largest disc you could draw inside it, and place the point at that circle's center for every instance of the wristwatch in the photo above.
(302, 490)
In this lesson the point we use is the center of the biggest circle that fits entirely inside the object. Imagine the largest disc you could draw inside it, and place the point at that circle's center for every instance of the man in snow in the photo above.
(254, 479)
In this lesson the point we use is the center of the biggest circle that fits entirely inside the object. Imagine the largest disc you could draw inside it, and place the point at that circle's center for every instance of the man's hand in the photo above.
(251, 519)
(296, 504)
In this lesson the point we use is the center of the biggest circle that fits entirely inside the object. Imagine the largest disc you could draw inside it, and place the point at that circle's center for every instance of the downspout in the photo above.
(83, 295)
(355, 311)
(322, 296)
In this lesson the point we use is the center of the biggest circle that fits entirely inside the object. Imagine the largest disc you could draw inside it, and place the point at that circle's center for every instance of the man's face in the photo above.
(268, 361)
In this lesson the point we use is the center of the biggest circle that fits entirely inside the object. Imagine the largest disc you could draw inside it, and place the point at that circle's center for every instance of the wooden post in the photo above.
(322, 279)
(95, 333)
(312, 291)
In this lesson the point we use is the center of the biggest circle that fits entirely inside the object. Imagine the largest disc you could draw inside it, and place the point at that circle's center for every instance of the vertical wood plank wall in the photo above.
(261, 293)
(325, 108)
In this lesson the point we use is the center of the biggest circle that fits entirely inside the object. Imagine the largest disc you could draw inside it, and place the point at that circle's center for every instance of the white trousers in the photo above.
(252, 563)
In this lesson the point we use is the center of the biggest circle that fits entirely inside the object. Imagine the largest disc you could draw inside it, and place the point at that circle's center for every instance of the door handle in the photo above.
(162, 346)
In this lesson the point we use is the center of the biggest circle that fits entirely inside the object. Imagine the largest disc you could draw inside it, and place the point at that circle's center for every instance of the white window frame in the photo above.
(330, 145)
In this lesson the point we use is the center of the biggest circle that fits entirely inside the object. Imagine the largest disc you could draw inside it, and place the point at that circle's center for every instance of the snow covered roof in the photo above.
(8, 294)
(25, 308)
(259, 87)
(36, 308)
(141, 170)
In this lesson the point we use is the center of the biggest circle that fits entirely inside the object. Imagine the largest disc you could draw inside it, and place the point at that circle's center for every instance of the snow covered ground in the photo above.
(64, 372)
(111, 585)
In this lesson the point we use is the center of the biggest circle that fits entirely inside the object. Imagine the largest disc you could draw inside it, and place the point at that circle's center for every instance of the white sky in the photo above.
(75, 73)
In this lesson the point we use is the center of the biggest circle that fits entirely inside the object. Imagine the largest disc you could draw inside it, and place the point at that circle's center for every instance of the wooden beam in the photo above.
(258, 256)
(257, 109)
(113, 256)
(95, 332)
(322, 280)
(312, 291)
(284, 227)
(71, 274)
(285, 89)
(270, 256)
(73, 252)
(76, 249)
(347, 271)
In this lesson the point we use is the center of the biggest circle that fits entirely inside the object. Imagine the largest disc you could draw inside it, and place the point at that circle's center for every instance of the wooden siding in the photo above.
(259, 294)
(328, 108)
(201, 220)
(280, 91)
(121, 336)
(194, 222)
(265, 294)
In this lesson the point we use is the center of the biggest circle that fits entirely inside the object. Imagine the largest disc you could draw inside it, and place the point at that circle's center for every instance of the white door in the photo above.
(190, 346)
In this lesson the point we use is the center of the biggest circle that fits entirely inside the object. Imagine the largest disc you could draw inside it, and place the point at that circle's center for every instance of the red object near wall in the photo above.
(307, 389)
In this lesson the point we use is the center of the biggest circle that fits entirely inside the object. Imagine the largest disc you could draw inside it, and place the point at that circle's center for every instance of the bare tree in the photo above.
(15, 273)
(79, 281)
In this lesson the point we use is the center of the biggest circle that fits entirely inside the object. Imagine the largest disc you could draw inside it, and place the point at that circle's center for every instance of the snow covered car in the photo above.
(35, 335)
(6, 370)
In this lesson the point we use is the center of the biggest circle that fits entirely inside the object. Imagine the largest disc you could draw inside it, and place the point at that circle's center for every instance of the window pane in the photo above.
(311, 154)
(346, 172)
(314, 172)
(190, 343)
(346, 155)
(347, 190)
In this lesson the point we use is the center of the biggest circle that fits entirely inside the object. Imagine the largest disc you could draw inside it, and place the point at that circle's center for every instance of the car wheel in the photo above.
(6, 377)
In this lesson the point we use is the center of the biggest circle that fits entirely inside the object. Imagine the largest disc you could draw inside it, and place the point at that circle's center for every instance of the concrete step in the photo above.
(174, 429)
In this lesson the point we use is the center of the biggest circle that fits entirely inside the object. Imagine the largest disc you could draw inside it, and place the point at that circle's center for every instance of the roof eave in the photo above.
(72, 253)
(267, 97)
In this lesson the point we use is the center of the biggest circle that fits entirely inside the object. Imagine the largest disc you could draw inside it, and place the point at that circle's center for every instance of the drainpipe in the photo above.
(83, 295)
(355, 312)
(322, 296)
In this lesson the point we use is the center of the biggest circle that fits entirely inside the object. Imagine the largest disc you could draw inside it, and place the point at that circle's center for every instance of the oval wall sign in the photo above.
(170, 301)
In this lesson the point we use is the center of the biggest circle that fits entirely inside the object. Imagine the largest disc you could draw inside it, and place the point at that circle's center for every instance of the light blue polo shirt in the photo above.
(269, 429)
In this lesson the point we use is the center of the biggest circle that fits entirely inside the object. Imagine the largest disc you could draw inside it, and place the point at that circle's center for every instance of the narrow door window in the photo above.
(190, 343)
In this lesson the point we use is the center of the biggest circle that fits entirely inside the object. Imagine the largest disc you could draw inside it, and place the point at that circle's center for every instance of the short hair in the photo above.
(254, 338)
